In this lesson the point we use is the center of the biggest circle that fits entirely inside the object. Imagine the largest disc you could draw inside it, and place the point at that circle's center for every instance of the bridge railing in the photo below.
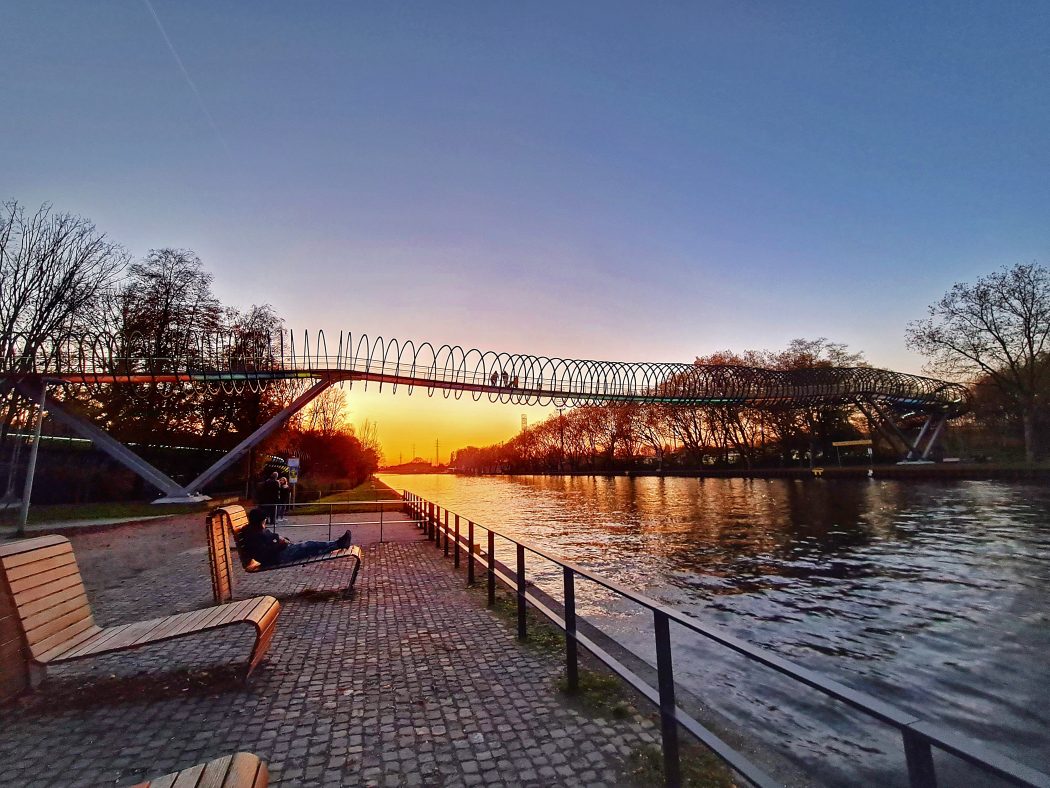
(919, 737)
(225, 357)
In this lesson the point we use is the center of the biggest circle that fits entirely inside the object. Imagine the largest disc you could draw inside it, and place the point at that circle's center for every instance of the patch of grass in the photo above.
(371, 490)
(97, 511)
(700, 768)
(604, 694)
(541, 634)
(600, 694)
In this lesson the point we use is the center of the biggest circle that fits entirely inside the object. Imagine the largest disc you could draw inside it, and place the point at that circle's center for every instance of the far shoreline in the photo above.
(923, 472)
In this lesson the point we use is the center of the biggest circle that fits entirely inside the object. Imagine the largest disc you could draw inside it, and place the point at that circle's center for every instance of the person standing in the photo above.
(284, 499)
(269, 496)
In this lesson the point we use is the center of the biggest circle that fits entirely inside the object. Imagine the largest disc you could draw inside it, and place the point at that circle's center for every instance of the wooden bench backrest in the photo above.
(219, 558)
(222, 522)
(50, 601)
(241, 770)
(14, 659)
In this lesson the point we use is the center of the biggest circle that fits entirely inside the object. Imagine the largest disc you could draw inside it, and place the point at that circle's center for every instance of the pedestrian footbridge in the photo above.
(236, 362)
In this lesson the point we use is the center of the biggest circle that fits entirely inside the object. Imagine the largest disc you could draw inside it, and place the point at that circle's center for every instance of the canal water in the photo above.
(932, 596)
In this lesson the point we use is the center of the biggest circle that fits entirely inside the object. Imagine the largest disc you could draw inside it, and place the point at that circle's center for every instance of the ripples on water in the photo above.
(932, 596)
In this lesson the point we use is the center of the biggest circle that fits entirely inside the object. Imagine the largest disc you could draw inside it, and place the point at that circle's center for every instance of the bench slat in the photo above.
(187, 622)
(215, 772)
(22, 589)
(17, 560)
(50, 608)
(60, 638)
(28, 545)
(235, 612)
(188, 777)
(57, 624)
(62, 584)
(247, 769)
(30, 610)
(136, 634)
(30, 568)
(103, 636)
(240, 770)
(72, 643)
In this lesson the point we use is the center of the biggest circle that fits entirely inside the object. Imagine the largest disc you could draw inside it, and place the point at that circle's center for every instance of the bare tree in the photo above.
(996, 329)
(54, 268)
(54, 271)
(327, 413)
(368, 434)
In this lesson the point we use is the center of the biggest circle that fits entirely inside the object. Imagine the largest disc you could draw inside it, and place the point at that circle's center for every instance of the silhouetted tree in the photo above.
(54, 271)
(996, 329)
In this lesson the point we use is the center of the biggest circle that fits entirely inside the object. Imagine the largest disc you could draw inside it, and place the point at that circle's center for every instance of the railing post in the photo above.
(917, 753)
(522, 634)
(470, 553)
(572, 673)
(492, 568)
(665, 678)
(455, 546)
(446, 533)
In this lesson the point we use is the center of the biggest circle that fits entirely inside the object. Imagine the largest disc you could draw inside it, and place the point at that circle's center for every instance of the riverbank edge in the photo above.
(951, 471)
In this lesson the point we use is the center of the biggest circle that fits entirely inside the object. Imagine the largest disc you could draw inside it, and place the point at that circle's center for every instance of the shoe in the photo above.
(344, 541)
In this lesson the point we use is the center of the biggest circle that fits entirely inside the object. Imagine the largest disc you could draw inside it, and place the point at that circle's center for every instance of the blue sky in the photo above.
(628, 181)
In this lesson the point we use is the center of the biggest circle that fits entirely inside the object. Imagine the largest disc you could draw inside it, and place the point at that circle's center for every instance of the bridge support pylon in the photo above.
(912, 451)
(108, 444)
(230, 457)
(173, 492)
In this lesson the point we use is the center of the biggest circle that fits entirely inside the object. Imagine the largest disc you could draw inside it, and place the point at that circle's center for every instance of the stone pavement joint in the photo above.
(409, 682)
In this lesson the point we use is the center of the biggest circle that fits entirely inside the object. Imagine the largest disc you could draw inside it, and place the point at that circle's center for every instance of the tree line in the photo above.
(992, 334)
(63, 278)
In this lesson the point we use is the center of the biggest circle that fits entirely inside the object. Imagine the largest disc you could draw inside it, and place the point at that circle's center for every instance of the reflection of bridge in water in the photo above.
(235, 362)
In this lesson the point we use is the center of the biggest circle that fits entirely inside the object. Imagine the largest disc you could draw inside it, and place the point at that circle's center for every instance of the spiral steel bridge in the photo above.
(235, 362)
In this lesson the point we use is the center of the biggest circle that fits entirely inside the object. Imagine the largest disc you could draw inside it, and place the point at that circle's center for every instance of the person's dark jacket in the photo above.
(269, 492)
(263, 545)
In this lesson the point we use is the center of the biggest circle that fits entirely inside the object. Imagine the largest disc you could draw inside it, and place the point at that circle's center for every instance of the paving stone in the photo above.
(411, 681)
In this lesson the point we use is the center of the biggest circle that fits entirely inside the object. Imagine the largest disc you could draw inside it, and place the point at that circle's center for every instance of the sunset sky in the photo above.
(629, 181)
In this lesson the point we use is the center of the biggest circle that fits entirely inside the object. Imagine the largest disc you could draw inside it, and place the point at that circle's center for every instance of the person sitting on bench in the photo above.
(269, 549)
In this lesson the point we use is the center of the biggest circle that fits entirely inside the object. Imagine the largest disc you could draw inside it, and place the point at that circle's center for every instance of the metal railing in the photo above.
(919, 737)
(284, 509)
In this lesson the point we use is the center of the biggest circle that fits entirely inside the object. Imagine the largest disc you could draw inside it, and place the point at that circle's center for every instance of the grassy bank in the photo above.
(357, 499)
(603, 695)
(54, 513)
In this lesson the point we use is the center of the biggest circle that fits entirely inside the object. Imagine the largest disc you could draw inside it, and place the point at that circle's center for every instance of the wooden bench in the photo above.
(227, 521)
(42, 586)
(240, 770)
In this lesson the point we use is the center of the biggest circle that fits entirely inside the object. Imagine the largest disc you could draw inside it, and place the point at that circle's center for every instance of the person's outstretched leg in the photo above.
(303, 550)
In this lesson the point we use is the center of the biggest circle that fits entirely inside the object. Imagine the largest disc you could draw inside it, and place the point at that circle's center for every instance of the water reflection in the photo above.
(933, 596)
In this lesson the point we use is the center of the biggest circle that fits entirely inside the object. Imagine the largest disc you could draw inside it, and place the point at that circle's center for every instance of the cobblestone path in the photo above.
(409, 682)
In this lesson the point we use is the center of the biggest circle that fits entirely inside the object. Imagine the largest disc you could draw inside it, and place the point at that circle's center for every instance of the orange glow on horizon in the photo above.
(414, 422)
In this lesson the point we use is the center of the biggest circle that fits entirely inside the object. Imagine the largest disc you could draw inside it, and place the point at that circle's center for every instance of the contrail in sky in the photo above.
(186, 74)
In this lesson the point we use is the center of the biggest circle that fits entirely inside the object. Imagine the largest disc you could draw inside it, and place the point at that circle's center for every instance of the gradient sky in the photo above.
(631, 181)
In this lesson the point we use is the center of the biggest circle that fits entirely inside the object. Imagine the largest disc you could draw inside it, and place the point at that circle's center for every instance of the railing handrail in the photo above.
(908, 724)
